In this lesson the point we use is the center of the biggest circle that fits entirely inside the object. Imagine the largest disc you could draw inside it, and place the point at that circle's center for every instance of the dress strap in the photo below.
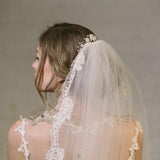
(24, 144)
(134, 145)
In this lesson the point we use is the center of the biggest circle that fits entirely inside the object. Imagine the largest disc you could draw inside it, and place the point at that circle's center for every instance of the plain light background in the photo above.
(131, 27)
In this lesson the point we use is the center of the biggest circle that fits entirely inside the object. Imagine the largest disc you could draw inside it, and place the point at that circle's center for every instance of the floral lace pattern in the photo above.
(134, 145)
(24, 145)
(55, 152)
(92, 128)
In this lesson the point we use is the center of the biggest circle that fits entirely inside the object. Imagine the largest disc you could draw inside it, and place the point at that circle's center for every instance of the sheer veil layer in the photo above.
(101, 113)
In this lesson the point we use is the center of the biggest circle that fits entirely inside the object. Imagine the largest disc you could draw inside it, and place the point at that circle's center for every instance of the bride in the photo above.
(99, 114)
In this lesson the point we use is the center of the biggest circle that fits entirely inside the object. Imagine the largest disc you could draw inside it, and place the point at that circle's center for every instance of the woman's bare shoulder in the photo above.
(35, 136)
(13, 138)
(13, 142)
(39, 130)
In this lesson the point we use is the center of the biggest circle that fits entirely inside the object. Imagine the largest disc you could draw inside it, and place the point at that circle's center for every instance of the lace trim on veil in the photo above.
(65, 110)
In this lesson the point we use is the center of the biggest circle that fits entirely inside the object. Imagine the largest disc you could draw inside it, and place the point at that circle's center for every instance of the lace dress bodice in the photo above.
(55, 152)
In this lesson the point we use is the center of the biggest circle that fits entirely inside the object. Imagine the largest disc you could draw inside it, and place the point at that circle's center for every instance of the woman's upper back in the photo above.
(33, 141)
(131, 136)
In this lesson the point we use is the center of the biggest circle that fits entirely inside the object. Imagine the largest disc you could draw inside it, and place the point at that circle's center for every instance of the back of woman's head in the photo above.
(60, 44)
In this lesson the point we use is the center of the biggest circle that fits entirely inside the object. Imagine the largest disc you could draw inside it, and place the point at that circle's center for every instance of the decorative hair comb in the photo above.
(88, 38)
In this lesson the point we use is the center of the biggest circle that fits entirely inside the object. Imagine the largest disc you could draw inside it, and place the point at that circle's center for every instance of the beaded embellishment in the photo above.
(88, 38)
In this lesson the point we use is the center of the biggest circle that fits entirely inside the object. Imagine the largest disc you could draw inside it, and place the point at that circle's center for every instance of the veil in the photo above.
(100, 114)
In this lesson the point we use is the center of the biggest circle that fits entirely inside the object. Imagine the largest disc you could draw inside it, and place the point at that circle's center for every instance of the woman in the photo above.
(99, 113)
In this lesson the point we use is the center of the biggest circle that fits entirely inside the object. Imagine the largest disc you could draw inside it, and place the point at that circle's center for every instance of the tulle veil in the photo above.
(101, 113)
